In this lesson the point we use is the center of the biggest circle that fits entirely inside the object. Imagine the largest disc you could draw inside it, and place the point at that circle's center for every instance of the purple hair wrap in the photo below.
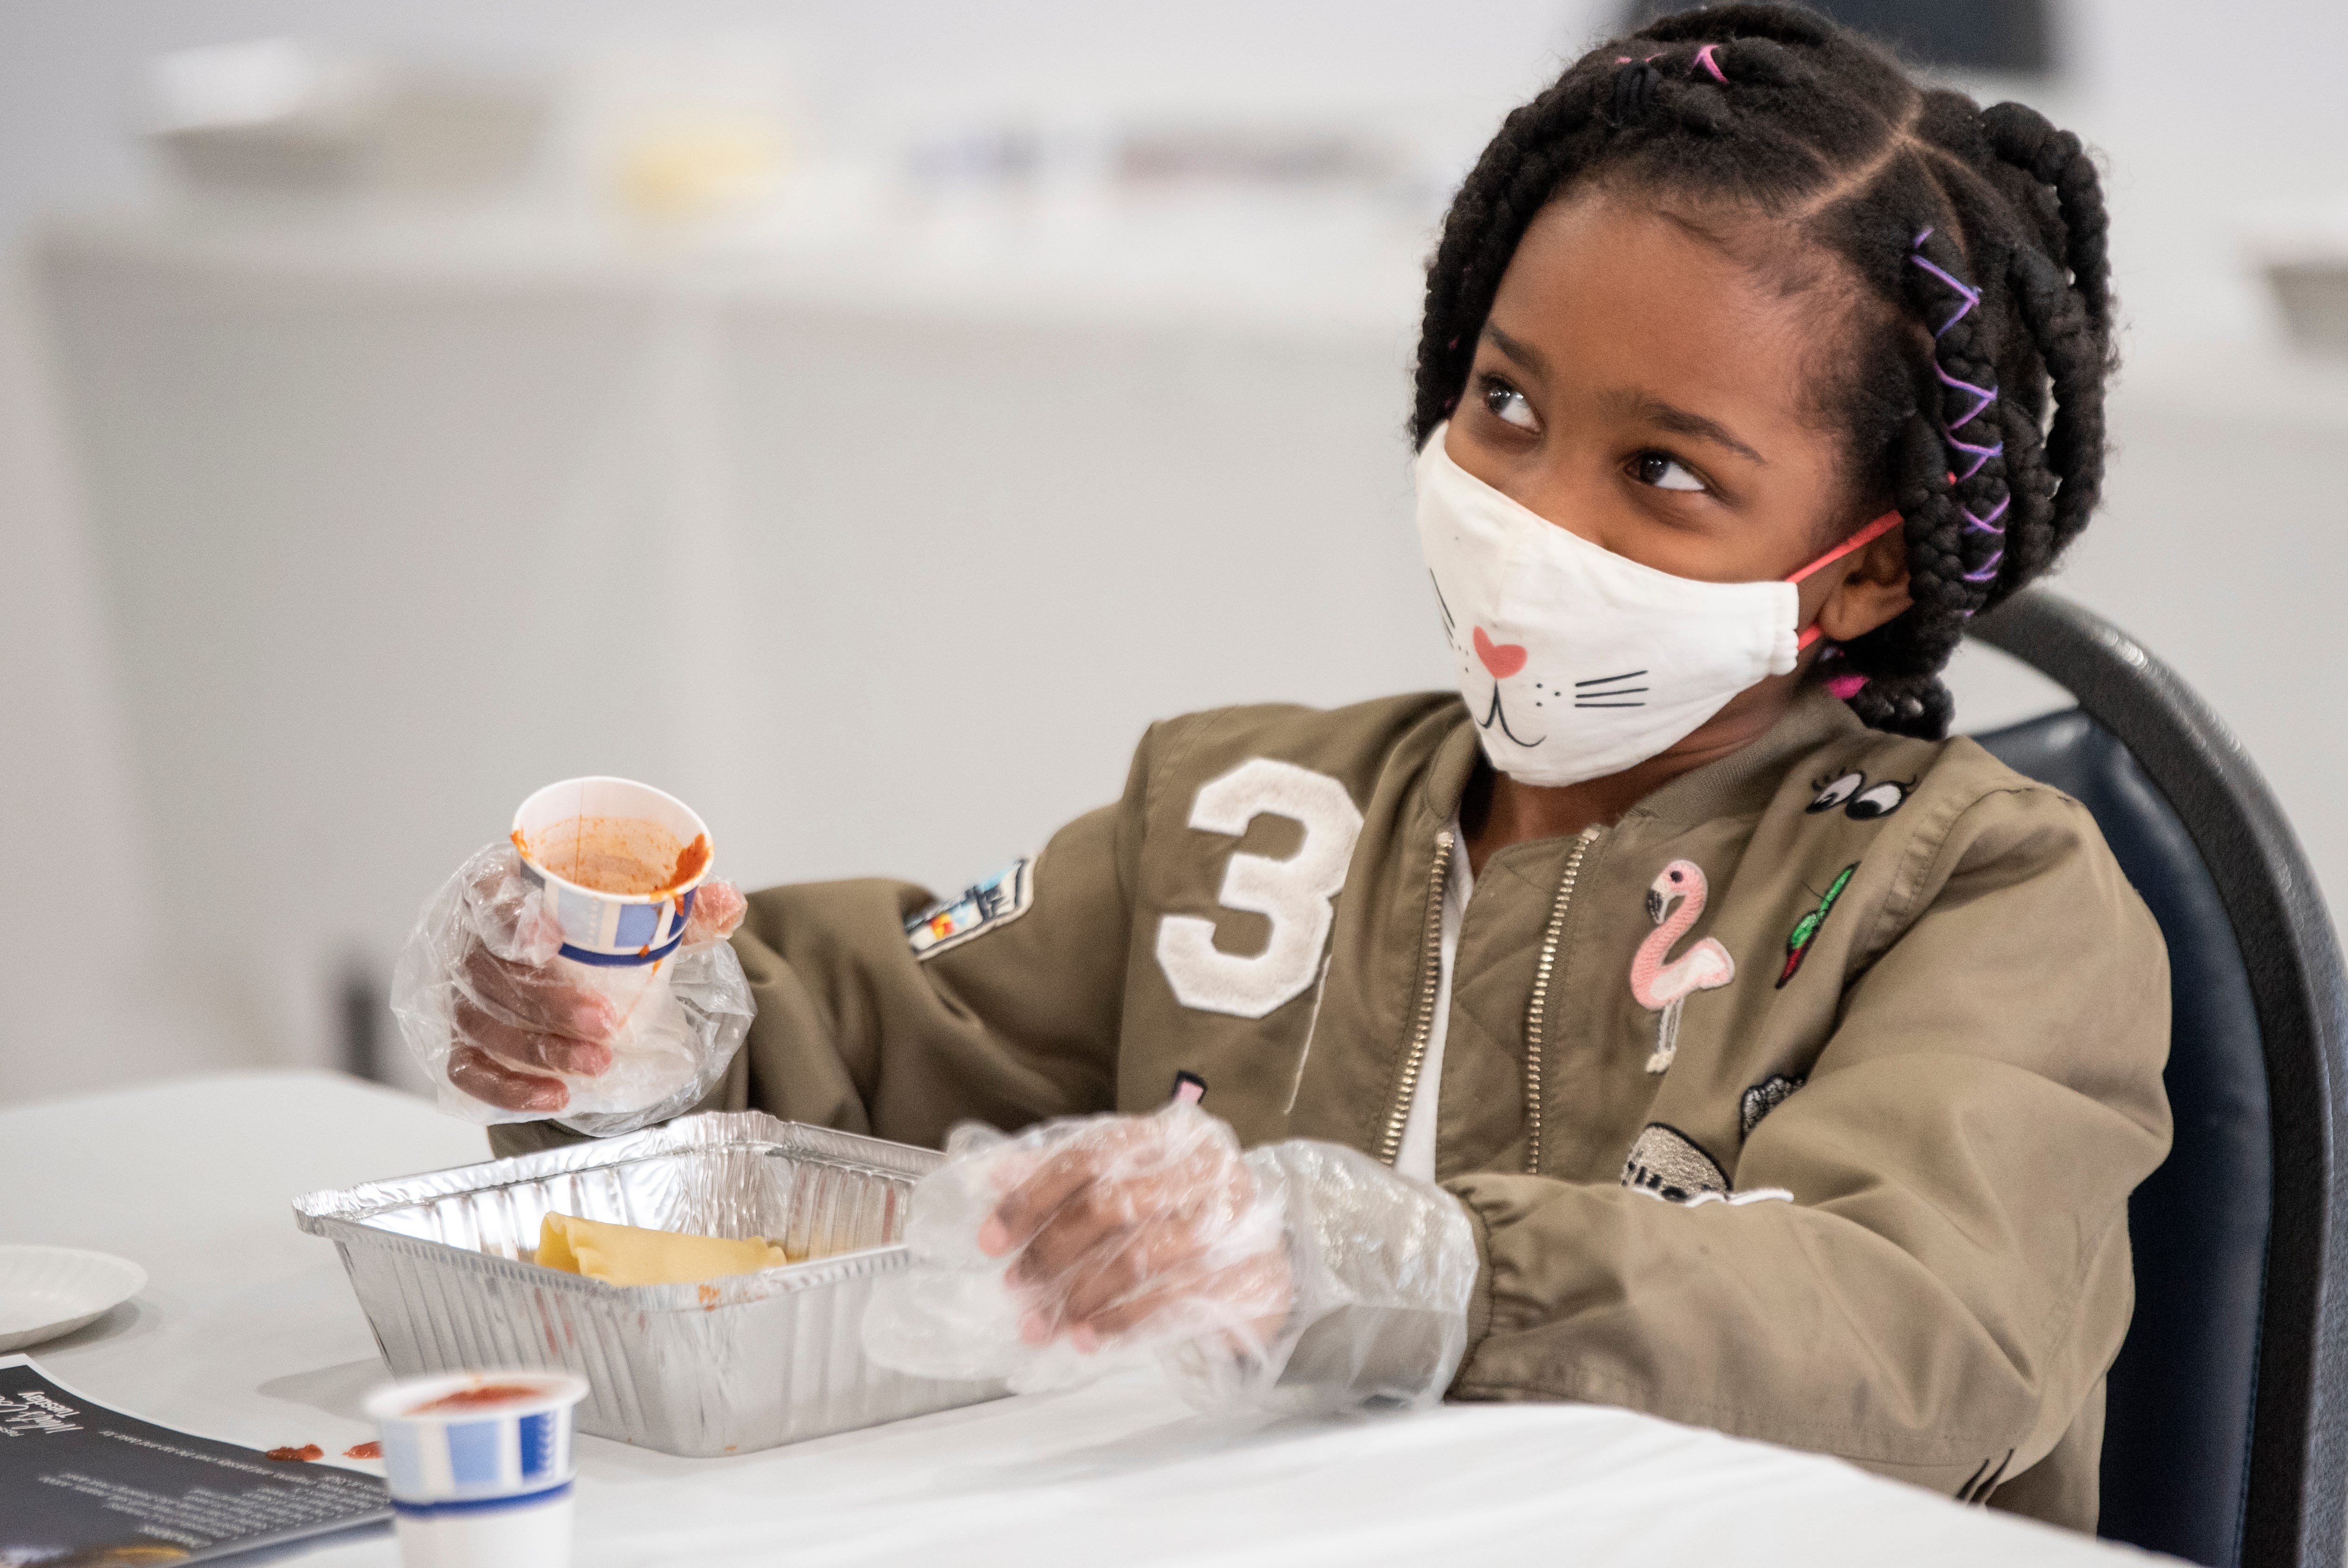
(1985, 399)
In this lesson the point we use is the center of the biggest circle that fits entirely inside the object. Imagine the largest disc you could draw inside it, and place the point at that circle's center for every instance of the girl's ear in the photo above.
(1872, 590)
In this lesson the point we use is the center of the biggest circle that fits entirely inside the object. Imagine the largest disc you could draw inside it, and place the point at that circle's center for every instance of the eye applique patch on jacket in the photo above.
(1675, 903)
(997, 901)
(1806, 929)
(1859, 800)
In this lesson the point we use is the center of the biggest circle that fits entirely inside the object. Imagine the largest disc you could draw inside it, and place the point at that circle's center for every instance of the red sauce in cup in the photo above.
(476, 1398)
(691, 861)
(622, 855)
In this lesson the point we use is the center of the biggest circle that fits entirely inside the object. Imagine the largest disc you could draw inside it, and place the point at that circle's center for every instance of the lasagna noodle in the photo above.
(629, 1255)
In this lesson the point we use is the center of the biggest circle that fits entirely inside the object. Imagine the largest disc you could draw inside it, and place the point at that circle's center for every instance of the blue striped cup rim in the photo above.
(623, 959)
(448, 1505)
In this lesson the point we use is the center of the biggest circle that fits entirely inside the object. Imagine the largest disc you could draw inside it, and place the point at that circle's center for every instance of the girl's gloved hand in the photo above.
(1302, 1276)
(495, 1014)
(1139, 1225)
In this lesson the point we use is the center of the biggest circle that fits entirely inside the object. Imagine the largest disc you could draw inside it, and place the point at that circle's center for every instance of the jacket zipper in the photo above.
(1537, 1014)
(1430, 980)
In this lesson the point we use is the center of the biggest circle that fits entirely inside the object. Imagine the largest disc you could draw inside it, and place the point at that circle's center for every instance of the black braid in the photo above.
(1979, 237)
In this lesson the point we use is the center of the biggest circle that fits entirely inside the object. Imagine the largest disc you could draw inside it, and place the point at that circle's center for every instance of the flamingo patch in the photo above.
(1675, 903)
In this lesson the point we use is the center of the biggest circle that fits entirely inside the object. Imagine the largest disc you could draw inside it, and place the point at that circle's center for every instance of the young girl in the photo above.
(1676, 1021)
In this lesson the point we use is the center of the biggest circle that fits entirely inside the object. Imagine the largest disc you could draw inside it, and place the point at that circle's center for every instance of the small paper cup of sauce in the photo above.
(619, 861)
(480, 1467)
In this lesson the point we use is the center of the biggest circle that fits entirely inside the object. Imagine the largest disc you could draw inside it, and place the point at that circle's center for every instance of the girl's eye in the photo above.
(1664, 471)
(1509, 405)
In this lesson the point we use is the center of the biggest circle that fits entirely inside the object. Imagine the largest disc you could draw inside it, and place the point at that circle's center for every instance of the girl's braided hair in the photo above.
(1976, 235)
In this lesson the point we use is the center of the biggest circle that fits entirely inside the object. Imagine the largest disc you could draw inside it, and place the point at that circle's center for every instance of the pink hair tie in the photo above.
(1846, 688)
(1704, 57)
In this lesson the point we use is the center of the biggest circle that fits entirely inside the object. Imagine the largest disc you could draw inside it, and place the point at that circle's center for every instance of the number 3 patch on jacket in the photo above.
(997, 901)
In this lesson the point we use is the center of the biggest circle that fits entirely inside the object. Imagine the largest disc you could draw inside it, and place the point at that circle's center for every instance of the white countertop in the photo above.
(884, 532)
(247, 1331)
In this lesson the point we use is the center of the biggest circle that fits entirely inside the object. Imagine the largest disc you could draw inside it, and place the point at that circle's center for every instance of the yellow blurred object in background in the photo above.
(693, 168)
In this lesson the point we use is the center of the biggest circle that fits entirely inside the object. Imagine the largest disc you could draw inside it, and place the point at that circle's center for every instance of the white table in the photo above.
(247, 1331)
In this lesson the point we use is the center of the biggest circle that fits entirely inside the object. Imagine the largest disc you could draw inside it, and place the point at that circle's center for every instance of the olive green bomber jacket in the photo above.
(1872, 1202)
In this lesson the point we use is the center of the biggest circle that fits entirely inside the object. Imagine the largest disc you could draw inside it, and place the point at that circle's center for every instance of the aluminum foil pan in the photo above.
(442, 1265)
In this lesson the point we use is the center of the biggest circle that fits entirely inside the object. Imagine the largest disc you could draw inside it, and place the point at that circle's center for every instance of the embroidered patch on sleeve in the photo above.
(1763, 1098)
(1666, 1164)
(1734, 1200)
(1798, 940)
(983, 906)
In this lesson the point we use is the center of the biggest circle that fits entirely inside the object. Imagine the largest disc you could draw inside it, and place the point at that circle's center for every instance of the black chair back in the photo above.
(2178, 1403)
(2224, 1418)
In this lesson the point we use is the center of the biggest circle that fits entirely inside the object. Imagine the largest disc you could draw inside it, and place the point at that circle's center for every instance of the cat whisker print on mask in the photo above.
(1495, 714)
(1501, 660)
(1540, 605)
(1602, 691)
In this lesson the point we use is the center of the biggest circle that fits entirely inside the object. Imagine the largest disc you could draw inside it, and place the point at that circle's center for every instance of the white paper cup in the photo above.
(482, 1486)
(608, 929)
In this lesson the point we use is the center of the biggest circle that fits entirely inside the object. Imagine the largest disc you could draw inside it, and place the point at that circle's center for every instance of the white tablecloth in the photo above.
(247, 1331)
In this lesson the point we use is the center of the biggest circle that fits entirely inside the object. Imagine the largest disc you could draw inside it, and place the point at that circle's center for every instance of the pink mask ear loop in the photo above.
(1860, 541)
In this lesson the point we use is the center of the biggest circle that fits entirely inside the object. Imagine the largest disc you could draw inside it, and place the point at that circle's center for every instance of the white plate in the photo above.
(49, 1291)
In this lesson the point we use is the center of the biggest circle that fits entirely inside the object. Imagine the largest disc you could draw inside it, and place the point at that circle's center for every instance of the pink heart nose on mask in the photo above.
(1503, 659)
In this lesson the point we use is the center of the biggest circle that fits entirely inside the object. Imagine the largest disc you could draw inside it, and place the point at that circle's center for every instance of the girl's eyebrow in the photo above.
(1683, 422)
(1637, 405)
(1523, 352)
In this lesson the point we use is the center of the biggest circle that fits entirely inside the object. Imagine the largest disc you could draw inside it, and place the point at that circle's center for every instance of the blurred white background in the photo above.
(860, 421)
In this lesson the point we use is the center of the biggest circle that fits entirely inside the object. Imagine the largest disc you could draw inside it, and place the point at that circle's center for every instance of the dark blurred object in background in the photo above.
(2012, 36)
(364, 1010)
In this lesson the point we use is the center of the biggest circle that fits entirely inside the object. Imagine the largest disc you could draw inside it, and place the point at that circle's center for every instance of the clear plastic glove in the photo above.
(1381, 1269)
(1088, 1244)
(511, 1031)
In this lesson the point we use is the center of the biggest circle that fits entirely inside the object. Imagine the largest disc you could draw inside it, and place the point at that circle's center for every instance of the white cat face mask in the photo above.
(1577, 661)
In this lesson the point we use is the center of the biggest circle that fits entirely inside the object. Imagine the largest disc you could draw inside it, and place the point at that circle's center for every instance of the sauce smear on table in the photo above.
(306, 1451)
(370, 1449)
